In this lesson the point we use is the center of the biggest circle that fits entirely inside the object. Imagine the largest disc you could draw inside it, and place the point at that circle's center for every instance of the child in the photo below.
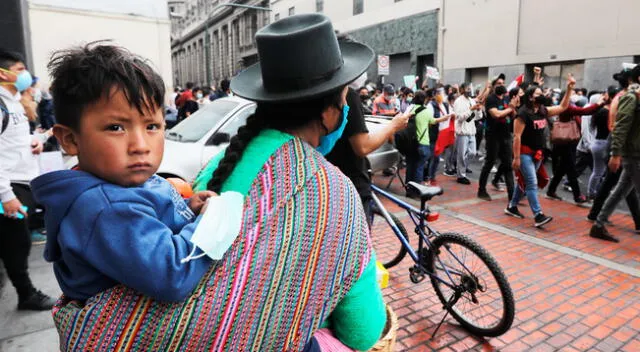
(113, 221)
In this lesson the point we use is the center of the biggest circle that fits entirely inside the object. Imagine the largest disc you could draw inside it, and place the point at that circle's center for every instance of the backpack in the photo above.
(407, 140)
(5, 115)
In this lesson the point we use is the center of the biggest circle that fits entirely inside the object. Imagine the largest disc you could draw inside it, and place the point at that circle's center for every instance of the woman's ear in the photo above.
(67, 139)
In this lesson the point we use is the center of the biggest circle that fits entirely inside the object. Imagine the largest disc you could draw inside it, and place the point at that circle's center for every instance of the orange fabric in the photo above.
(181, 186)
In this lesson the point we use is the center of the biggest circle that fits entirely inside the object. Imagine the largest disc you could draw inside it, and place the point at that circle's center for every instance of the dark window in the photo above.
(358, 7)
(319, 5)
(276, 17)
(292, 11)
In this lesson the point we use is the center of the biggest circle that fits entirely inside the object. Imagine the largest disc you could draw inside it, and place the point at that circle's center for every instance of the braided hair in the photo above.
(280, 116)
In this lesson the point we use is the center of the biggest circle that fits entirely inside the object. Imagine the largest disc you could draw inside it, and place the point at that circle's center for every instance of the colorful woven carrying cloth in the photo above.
(301, 249)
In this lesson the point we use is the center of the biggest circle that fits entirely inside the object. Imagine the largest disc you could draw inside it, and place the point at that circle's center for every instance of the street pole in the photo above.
(207, 36)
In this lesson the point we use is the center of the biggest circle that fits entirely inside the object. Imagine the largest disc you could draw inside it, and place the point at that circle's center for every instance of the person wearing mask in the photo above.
(223, 92)
(625, 151)
(185, 96)
(467, 112)
(528, 143)
(356, 142)
(202, 98)
(440, 108)
(365, 100)
(17, 167)
(611, 178)
(384, 104)
(564, 153)
(407, 100)
(498, 137)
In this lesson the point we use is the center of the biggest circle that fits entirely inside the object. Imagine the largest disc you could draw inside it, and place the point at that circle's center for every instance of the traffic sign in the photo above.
(383, 64)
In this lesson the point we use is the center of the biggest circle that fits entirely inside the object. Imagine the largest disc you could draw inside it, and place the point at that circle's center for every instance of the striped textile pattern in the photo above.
(301, 249)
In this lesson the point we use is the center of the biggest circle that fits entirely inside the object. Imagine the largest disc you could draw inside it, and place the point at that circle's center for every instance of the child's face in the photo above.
(117, 143)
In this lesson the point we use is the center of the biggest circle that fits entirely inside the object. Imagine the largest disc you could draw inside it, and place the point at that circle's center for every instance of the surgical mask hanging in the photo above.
(329, 141)
(219, 226)
(23, 81)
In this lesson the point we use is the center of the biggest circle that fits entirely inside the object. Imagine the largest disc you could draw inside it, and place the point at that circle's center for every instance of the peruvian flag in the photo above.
(516, 82)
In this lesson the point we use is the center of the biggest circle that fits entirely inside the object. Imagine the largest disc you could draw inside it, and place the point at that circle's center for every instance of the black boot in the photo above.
(600, 232)
(36, 301)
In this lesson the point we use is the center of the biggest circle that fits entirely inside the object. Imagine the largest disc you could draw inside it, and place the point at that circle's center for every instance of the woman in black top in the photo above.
(600, 144)
(528, 143)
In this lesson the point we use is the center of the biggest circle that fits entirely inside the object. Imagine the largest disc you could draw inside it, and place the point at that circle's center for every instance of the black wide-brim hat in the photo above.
(300, 59)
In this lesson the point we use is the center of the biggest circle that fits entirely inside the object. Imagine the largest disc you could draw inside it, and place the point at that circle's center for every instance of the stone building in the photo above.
(213, 40)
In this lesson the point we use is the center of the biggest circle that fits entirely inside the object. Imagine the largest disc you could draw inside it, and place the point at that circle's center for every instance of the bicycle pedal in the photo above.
(416, 275)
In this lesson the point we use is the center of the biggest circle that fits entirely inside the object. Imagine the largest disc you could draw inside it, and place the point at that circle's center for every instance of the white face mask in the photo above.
(219, 226)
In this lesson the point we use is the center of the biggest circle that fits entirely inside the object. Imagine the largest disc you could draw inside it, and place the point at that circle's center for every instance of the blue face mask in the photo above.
(23, 81)
(329, 141)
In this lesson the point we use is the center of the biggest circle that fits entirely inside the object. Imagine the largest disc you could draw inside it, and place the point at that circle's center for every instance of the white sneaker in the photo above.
(494, 169)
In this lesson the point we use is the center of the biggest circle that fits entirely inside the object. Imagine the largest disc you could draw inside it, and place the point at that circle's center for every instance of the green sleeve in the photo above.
(624, 120)
(360, 317)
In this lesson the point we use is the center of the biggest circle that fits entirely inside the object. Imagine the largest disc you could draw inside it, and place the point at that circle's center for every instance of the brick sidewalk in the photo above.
(572, 292)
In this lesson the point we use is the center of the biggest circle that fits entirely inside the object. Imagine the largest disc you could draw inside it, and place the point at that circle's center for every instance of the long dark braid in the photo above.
(279, 116)
(255, 124)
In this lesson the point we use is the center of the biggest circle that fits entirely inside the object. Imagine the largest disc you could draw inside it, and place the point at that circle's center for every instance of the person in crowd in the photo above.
(564, 153)
(407, 99)
(625, 151)
(223, 92)
(584, 158)
(365, 100)
(498, 137)
(185, 96)
(356, 142)
(467, 112)
(190, 106)
(440, 108)
(481, 97)
(449, 154)
(611, 178)
(528, 142)
(384, 104)
(174, 97)
(599, 146)
(275, 165)
(424, 120)
(202, 97)
(17, 148)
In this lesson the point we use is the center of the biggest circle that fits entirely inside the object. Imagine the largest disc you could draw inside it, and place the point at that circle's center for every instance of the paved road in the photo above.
(572, 293)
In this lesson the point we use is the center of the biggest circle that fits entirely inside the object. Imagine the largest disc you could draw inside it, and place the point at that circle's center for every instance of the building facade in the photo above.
(45, 26)
(588, 38)
(211, 40)
(406, 30)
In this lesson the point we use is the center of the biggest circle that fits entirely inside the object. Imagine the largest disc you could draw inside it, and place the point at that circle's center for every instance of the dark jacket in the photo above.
(625, 138)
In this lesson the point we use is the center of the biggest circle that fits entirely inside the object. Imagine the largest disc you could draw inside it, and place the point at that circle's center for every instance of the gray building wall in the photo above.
(416, 35)
(598, 72)
(455, 76)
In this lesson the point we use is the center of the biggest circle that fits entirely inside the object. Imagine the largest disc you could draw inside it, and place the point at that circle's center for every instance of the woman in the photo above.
(191, 105)
(600, 146)
(424, 119)
(564, 154)
(302, 257)
(528, 143)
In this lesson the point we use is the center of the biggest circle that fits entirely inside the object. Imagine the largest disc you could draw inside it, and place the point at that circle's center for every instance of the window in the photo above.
(292, 11)
(172, 9)
(319, 5)
(358, 7)
(276, 17)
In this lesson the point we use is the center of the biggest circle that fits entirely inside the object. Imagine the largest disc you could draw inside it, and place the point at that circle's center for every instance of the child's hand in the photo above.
(199, 199)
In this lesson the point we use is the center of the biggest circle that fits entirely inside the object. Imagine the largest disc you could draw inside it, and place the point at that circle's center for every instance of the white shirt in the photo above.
(462, 108)
(17, 162)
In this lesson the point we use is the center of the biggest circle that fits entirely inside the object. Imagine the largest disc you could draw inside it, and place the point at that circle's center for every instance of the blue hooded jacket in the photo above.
(100, 234)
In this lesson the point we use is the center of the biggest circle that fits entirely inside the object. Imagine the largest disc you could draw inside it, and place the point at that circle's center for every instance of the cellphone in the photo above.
(20, 216)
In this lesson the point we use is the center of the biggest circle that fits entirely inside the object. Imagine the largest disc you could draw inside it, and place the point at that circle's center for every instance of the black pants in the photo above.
(584, 160)
(498, 148)
(563, 163)
(367, 203)
(15, 244)
(609, 182)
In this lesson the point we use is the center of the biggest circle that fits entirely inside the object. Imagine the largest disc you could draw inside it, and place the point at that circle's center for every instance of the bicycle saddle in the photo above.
(425, 192)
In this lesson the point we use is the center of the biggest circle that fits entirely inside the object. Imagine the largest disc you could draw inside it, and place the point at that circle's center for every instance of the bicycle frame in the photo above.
(420, 225)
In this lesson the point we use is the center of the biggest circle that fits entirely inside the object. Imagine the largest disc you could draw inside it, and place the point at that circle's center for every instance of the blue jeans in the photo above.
(529, 168)
(432, 166)
(416, 164)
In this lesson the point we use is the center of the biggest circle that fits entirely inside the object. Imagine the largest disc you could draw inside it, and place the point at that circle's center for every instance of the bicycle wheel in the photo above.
(486, 306)
(389, 254)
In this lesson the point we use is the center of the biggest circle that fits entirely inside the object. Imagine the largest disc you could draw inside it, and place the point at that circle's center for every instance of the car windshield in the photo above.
(194, 127)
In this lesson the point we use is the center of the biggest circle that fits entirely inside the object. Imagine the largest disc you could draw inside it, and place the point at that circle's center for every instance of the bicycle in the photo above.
(453, 277)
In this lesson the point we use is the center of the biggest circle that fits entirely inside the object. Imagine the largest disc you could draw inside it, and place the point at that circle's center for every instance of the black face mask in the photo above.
(364, 97)
(540, 99)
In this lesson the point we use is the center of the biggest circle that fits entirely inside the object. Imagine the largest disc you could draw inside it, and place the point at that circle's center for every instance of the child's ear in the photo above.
(66, 138)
